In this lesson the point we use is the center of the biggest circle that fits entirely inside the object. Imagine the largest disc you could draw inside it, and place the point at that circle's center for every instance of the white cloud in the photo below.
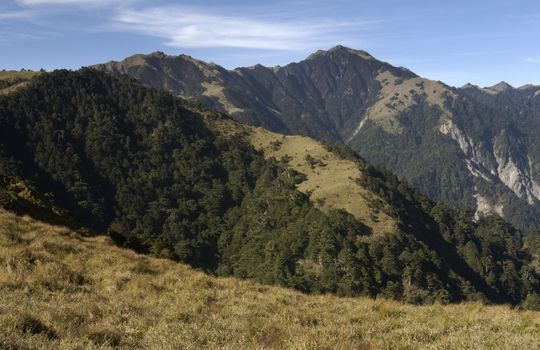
(533, 60)
(191, 27)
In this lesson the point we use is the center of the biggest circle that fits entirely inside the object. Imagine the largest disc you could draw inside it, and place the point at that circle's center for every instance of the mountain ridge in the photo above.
(388, 115)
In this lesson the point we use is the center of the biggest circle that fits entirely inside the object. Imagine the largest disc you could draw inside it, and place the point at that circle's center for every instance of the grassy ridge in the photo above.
(59, 290)
(331, 181)
(13, 80)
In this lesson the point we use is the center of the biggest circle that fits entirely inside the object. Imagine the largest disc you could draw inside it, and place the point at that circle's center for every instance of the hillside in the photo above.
(175, 180)
(60, 290)
(470, 146)
(12, 80)
(331, 181)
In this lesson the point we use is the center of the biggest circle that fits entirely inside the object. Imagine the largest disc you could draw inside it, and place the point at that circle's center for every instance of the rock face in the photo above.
(470, 145)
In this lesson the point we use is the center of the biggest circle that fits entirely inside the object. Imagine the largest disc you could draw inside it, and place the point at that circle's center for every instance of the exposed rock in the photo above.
(478, 164)
(484, 206)
(517, 179)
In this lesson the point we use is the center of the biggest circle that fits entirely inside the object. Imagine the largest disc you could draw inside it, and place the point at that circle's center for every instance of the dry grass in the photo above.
(61, 291)
(20, 79)
(331, 182)
(399, 94)
(11, 74)
(214, 89)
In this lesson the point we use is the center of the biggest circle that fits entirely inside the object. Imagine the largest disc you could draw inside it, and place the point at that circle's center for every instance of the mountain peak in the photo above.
(469, 86)
(340, 49)
(528, 87)
(158, 54)
(501, 87)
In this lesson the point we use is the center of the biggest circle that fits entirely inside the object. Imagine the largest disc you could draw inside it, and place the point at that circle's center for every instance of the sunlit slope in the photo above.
(331, 181)
(59, 290)
(469, 146)
(142, 166)
(12, 80)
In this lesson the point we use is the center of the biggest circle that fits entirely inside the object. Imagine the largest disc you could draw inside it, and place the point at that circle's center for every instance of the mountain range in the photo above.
(465, 146)
(174, 179)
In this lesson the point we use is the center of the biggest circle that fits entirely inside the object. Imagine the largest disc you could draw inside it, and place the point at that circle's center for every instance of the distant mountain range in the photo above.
(469, 145)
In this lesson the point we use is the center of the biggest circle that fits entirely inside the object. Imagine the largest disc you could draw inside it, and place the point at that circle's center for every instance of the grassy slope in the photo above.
(59, 290)
(331, 183)
(15, 80)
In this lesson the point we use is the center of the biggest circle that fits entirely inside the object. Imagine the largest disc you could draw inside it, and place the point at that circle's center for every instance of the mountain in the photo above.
(313, 97)
(176, 180)
(471, 146)
(63, 290)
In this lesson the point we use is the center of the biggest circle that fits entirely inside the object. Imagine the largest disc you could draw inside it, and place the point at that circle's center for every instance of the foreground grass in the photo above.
(62, 291)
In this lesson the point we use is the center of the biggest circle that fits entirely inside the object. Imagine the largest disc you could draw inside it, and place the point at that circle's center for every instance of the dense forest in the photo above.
(142, 166)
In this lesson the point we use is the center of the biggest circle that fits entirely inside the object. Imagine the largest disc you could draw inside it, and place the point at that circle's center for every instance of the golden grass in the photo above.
(59, 290)
(331, 182)
(399, 94)
(11, 74)
(22, 79)
(214, 89)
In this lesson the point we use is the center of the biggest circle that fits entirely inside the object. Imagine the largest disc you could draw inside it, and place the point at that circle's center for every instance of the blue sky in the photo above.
(477, 41)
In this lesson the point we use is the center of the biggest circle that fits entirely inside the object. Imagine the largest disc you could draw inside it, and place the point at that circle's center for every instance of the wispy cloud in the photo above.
(16, 15)
(198, 28)
(7, 36)
(533, 59)
(249, 27)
